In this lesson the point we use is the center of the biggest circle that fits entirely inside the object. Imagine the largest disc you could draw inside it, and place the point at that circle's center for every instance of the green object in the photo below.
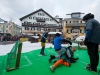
(34, 64)
(2, 60)
(13, 56)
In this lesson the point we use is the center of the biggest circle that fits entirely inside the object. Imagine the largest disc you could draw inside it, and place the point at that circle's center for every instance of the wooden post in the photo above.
(18, 55)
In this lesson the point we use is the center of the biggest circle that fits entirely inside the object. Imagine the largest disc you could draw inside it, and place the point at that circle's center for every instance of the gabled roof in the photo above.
(1, 20)
(36, 12)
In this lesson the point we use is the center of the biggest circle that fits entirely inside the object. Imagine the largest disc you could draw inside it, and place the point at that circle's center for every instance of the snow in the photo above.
(35, 36)
(80, 38)
(26, 47)
(54, 32)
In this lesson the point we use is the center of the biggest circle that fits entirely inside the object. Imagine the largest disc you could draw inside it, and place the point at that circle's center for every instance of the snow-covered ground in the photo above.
(27, 46)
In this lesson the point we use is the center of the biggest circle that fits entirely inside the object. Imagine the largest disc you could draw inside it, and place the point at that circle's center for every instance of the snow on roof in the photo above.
(54, 32)
(35, 36)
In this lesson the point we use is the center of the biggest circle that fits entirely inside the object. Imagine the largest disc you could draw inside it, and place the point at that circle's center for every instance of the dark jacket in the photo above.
(94, 26)
(44, 36)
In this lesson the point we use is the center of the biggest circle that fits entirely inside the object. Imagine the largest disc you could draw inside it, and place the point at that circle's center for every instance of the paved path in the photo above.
(7, 42)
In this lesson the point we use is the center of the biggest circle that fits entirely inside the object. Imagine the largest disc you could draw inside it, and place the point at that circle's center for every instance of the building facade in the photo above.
(9, 27)
(3, 26)
(74, 26)
(14, 29)
(39, 21)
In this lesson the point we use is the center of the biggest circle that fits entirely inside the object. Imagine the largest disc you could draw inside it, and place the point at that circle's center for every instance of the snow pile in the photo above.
(54, 32)
(35, 36)
(27, 47)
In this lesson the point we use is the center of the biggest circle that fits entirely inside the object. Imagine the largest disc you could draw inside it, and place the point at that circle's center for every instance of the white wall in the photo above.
(36, 15)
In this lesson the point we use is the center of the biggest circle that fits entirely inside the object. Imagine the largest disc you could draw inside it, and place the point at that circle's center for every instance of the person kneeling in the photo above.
(64, 60)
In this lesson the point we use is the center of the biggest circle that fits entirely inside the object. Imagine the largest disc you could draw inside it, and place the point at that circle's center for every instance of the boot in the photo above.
(75, 58)
(42, 51)
(51, 58)
(72, 60)
(52, 68)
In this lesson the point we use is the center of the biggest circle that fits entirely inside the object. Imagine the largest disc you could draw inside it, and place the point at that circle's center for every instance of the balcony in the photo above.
(41, 25)
(75, 24)
(40, 20)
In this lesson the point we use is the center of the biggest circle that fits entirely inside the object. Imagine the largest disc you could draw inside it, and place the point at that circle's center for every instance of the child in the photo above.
(63, 59)
(59, 49)
(43, 41)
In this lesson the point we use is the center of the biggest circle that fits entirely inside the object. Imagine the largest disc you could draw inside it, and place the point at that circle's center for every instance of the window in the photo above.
(82, 31)
(25, 22)
(75, 22)
(39, 29)
(38, 18)
(33, 17)
(31, 28)
(68, 31)
(26, 28)
(47, 19)
(6, 30)
(30, 17)
(6, 26)
(42, 18)
(3, 26)
(80, 21)
(51, 19)
(34, 23)
(42, 14)
(55, 25)
(45, 29)
(68, 22)
(29, 22)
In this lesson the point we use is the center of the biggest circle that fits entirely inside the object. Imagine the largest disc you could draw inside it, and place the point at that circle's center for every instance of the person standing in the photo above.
(43, 40)
(1, 38)
(92, 40)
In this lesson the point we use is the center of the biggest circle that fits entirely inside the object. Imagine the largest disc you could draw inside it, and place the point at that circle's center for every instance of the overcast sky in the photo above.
(15, 9)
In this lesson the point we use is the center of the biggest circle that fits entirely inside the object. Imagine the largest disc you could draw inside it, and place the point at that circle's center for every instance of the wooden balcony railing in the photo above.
(41, 25)
(76, 24)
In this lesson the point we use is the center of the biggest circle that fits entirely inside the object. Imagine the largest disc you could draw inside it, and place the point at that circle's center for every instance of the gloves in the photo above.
(86, 41)
(67, 41)
(70, 43)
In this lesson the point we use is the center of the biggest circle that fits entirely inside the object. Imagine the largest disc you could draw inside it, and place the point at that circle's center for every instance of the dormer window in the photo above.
(41, 14)
(30, 17)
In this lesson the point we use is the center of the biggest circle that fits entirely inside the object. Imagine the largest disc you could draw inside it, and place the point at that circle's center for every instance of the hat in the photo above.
(88, 16)
(57, 34)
